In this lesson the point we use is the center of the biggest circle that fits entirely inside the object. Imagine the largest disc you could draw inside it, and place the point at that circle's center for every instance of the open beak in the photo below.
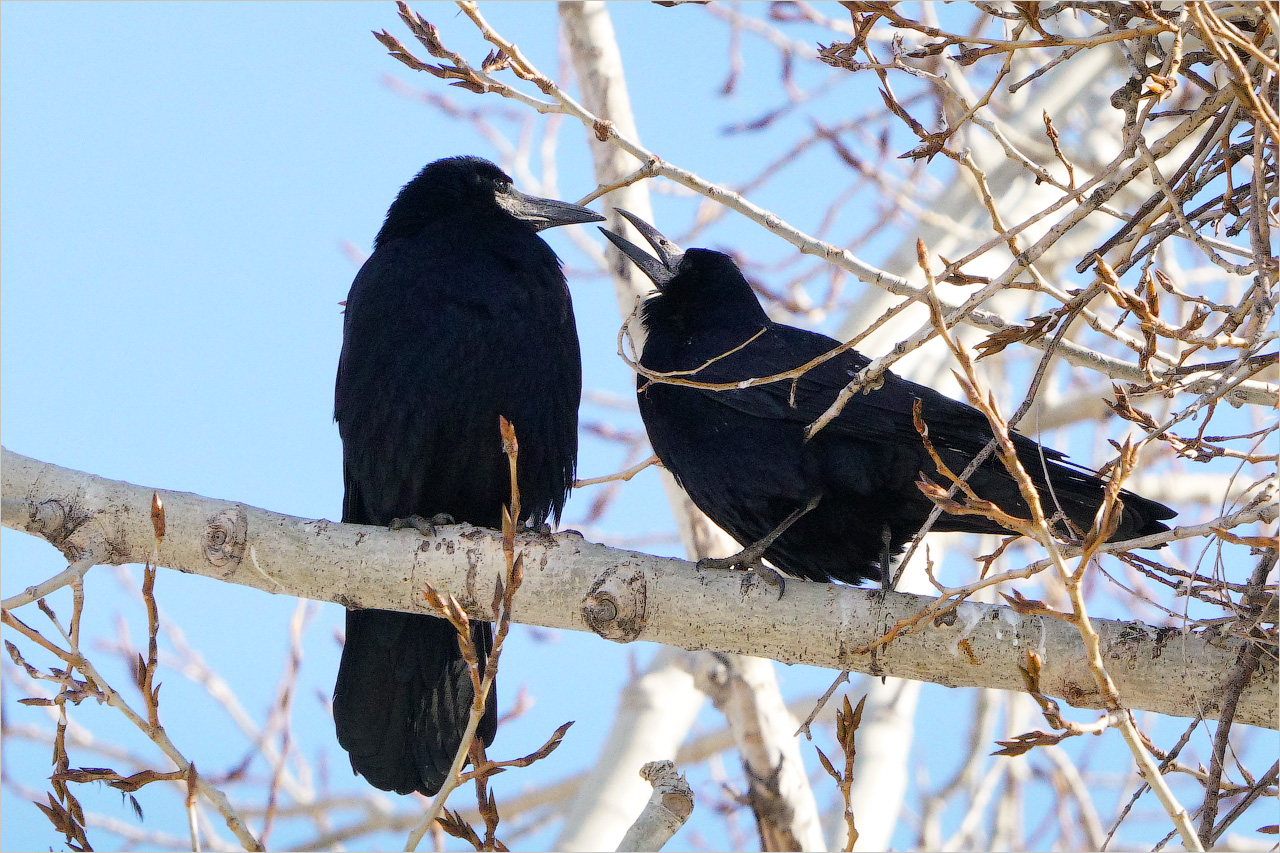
(543, 213)
(660, 269)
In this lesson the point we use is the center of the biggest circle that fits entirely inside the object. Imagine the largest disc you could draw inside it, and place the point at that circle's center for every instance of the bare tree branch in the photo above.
(626, 596)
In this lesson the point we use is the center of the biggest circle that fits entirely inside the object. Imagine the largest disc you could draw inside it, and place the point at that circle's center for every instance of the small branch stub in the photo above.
(224, 539)
(668, 808)
(50, 519)
(615, 606)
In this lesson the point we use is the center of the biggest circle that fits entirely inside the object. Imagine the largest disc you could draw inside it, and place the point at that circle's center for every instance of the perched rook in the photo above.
(841, 505)
(461, 314)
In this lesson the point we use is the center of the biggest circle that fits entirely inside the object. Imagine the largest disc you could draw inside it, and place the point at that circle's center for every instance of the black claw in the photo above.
(773, 578)
(543, 532)
(755, 575)
(750, 562)
(420, 524)
(735, 562)
(747, 559)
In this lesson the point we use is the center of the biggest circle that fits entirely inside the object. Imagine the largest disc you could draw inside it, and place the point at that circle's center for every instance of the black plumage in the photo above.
(742, 457)
(461, 314)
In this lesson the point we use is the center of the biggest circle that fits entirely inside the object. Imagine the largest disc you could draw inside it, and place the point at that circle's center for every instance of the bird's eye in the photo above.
(505, 187)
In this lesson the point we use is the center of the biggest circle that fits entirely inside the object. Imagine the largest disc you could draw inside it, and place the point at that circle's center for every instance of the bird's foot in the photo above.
(750, 560)
(771, 577)
(543, 532)
(425, 526)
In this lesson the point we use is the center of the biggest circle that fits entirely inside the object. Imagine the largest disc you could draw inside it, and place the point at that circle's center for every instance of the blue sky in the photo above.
(179, 181)
(178, 184)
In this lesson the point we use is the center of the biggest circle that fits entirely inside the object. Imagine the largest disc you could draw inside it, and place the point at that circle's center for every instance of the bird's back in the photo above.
(743, 456)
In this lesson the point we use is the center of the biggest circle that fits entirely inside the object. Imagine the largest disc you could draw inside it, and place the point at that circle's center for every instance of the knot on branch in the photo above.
(615, 606)
(64, 524)
(55, 521)
(225, 535)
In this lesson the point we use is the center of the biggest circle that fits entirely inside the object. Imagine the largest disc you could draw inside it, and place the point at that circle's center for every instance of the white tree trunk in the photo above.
(655, 713)
(745, 689)
(597, 63)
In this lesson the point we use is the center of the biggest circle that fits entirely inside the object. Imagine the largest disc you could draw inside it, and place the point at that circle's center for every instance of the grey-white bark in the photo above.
(573, 584)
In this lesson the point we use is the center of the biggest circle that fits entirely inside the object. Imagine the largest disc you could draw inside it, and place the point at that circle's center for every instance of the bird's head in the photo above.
(696, 286)
(472, 188)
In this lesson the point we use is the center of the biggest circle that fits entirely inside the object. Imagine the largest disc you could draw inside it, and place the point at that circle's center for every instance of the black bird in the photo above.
(461, 314)
(839, 506)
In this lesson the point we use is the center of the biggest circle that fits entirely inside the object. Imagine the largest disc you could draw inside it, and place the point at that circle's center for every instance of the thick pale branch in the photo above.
(625, 595)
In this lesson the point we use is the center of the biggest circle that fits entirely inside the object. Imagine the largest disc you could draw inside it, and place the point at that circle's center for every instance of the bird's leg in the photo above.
(425, 526)
(750, 557)
(886, 558)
